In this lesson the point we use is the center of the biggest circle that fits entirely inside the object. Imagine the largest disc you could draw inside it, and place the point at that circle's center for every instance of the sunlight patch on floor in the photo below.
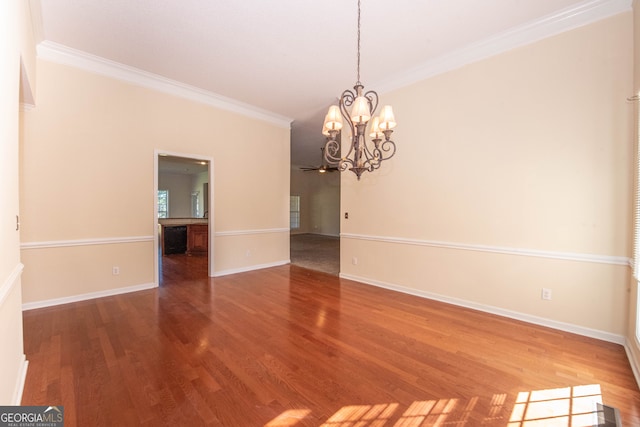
(578, 406)
(288, 418)
(369, 415)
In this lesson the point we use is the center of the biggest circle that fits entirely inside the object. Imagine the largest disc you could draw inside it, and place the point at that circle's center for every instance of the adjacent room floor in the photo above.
(316, 252)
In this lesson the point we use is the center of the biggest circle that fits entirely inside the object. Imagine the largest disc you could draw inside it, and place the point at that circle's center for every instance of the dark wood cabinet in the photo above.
(192, 239)
(197, 239)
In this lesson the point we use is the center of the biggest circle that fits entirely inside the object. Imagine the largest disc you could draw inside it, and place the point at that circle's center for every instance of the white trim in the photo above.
(85, 242)
(25, 106)
(10, 282)
(61, 54)
(633, 361)
(567, 327)
(570, 18)
(22, 378)
(84, 297)
(250, 268)
(157, 153)
(5, 290)
(565, 256)
(156, 237)
(248, 232)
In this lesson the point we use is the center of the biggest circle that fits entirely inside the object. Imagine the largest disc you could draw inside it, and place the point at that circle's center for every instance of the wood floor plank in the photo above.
(287, 346)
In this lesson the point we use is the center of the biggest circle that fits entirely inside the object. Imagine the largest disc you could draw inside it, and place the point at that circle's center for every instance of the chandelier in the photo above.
(362, 156)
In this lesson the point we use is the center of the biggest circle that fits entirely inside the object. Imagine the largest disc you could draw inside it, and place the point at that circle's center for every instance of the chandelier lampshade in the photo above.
(387, 119)
(332, 121)
(360, 113)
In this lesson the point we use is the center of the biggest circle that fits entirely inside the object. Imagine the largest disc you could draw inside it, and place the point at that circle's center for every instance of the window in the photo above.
(163, 203)
(294, 212)
(636, 231)
(195, 204)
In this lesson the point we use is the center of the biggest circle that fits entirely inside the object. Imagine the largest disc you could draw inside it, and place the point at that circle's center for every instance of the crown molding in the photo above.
(64, 55)
(567, 19)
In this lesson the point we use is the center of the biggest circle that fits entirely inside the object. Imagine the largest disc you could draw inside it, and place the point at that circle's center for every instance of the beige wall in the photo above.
(512, 174)
(16, 48)
(88, 180)
(179, 187)
(633, 345)
(319, 201)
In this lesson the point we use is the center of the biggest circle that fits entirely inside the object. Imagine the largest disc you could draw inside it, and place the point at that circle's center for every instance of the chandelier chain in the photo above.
(358, 79)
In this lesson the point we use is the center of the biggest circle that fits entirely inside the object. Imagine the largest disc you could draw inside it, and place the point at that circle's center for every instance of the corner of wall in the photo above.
(632, 348)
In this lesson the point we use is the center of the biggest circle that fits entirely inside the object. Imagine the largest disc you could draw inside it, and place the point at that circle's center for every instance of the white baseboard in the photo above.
(541, 321)
(84, 297)
(100, 294)
(22, 378)
(250, 268)
(633, 360)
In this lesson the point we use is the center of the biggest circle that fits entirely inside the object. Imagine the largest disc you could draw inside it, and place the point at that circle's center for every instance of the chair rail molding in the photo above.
(85, 242)
(565, 256)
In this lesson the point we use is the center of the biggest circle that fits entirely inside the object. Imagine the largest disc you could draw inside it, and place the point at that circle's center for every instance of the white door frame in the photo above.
(156, 244)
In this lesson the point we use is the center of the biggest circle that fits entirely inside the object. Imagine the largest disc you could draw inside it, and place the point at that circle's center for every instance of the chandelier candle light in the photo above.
(361, 156)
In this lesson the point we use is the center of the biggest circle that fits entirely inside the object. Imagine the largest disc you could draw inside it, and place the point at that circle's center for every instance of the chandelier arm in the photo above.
(372, 96)
(387, 146)
(345, 164)
(332, 151)
(369, 155)
(372, 155)
(373, 161)
(332, 155)
(381, 152)
(346, 100)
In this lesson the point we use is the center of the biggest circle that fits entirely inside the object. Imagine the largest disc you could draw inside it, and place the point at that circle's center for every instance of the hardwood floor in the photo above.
(288, 346)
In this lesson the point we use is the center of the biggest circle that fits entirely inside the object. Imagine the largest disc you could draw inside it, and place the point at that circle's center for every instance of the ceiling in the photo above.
(289, 57)
(181, 165)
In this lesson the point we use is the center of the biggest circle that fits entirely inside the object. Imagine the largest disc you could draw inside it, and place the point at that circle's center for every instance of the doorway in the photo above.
(186, 204)
(315, 219)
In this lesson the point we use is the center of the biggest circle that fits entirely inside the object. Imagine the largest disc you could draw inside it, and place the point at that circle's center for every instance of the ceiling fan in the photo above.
(322, 168)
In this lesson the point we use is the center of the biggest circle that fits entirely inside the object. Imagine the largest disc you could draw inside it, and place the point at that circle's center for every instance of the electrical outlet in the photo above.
(346, 215)
(354, 260)
(115, 270)
(248, 253)
(546, 294)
